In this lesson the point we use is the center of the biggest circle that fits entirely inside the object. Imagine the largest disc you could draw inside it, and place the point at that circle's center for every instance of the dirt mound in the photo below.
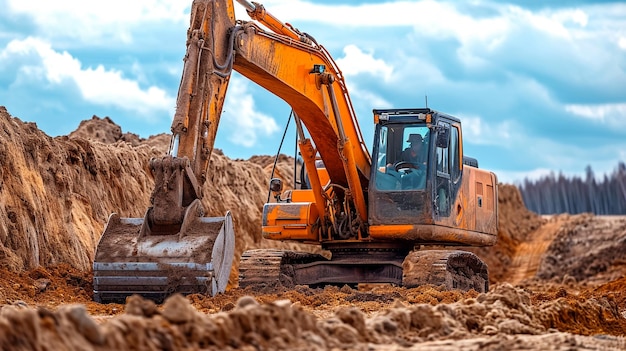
(504, 318)
(583, 248)
(588, 249)
(51, 198)
(529, 253)
(104, 130)
(54, 186)
(52, 192)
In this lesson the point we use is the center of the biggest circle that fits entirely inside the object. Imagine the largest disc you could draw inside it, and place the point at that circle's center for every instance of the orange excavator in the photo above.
(392, 216)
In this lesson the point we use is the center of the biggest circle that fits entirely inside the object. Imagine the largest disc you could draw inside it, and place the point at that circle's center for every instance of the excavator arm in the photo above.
(173, 248)
(206, 73)
(283, 61)
(307, 78)
(180, 174)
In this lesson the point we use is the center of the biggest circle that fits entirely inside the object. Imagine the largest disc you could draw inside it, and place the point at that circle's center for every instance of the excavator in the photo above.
(399, 215)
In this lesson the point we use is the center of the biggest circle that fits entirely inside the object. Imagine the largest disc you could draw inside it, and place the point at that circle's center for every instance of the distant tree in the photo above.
(552, 194)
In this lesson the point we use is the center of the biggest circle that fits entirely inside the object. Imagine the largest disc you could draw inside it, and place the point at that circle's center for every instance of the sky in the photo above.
(539, 86)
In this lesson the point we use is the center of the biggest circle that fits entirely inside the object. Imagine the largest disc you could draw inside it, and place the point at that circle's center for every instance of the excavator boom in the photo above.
(377, 220)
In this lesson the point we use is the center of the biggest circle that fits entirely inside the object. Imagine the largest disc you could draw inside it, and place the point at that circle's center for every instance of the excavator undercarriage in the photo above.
(452, 269)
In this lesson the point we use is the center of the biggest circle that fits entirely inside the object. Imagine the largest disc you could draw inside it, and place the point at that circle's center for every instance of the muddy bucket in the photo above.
(196, 260)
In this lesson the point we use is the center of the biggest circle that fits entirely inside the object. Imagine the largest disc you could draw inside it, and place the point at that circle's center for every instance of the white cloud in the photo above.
(613, 115)
(248, 124)
(492, 63)
(440, 20)
(107, 12)
(553, 23)
(475, 131)
(94, 19)
(578, 16)
(435, 18)
(357, 62)
(516, 177)
(413, 70)
(397, 13)
(371, 98)
(99, 86)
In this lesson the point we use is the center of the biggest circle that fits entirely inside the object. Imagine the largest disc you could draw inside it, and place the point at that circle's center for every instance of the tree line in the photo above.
(559, 194)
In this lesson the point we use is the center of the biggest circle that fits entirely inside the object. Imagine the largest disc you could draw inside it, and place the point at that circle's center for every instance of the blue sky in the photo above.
(539, 87)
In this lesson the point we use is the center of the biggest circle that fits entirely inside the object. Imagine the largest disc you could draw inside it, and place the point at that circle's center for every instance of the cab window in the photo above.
(402, 158)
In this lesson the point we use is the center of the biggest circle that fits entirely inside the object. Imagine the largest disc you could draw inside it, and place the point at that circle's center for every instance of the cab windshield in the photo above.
(402, 158)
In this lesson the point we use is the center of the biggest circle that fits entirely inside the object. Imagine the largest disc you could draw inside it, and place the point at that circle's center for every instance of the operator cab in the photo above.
(416, 154)
(402, 159)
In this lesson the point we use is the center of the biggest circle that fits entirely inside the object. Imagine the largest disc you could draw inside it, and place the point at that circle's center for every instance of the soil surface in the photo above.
(557, 283)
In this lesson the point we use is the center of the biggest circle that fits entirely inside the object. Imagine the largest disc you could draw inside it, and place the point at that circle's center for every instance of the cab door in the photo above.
(441, 190)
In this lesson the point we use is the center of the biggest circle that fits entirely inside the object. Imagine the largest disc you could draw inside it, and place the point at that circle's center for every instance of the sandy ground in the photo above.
(557, 283)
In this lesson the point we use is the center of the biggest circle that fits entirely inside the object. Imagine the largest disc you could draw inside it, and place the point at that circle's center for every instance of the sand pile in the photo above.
(587, 249)
(105, 131)
(51, 196)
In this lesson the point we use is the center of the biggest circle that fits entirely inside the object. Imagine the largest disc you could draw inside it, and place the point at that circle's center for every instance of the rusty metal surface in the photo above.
(204, 82)
(173, 248)
(432, 234)
(453, 269)
(260, 268)
(346, 271)
(154, 266)
(268, 268)
(113, 282)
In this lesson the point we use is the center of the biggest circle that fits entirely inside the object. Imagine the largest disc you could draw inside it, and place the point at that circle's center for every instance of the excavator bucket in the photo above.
(197, 259)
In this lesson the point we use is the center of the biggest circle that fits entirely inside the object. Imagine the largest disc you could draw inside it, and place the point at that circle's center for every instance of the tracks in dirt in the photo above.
(599, 231)
(529, 253)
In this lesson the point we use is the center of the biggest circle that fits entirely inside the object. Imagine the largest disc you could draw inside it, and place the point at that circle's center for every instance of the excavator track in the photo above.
(260, 268)
(455, 269)
(273, 269)
(270, 268)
